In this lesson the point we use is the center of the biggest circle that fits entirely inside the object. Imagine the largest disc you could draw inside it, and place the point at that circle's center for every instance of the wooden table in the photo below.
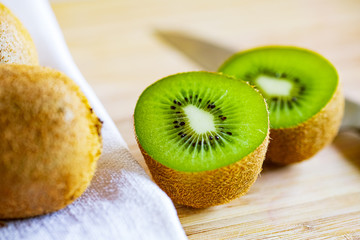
(114, 44)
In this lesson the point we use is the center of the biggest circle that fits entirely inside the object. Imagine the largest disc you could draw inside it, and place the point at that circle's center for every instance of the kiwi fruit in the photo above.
(16, 45)
(203, 136)
(50, 141)
(303, 93)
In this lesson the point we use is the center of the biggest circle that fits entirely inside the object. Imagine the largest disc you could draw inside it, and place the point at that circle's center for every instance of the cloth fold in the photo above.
(122, 202)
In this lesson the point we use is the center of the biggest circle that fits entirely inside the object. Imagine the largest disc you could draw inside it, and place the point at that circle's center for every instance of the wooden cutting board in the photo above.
(114, 44)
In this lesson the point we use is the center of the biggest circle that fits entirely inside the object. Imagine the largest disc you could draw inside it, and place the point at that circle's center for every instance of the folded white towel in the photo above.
(121, 202)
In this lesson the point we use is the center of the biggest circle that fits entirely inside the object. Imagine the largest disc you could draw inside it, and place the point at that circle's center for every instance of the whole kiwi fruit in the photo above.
(16, 45)
(50, 141)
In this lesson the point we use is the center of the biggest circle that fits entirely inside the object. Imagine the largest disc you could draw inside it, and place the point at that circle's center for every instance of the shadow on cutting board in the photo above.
(269, 166)
(348, 144)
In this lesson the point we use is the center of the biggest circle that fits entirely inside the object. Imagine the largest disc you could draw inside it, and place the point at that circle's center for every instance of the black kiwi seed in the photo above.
(196, 96)
(223, 118)
(183, 135)
(178, 112)
(266, 71)
(296, 80)
(179, 103)
(200, 100)
(182, 123)
(229, 133)
(290, 105)
(175, 122)
(175, 101)
(210, 137)
(193, 144)
(302, 89)
(217, 137)
(274, 99)
(248, 76)
(176, 126)
(186, 99)
(220, 116)
(281, 104)
(180, 133)
(173, 107)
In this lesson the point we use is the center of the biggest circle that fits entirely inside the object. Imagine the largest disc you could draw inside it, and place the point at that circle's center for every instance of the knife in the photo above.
(210, 56)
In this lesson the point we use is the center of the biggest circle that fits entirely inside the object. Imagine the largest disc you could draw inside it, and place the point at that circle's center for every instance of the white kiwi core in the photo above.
(200, 120)
(274, 87)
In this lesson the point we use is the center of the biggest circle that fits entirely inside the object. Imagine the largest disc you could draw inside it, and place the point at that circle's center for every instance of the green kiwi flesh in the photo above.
(304, 95)
(200, 121)
(296, 83)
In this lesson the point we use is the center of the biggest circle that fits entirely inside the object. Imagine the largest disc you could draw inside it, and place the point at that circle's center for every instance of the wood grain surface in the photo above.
(115, 47)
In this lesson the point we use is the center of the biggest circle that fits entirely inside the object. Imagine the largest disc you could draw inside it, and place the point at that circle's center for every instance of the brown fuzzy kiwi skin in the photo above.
(50, 141)
(16, 45)
(292, 145)
(208, 188)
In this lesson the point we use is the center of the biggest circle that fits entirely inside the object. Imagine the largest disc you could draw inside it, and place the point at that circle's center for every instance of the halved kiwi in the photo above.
(203, 136)
(15, 42)
(303, 94)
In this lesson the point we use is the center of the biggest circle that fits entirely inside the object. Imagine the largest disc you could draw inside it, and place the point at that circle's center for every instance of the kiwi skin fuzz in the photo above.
(16, 45)
(291, 145)
(208, 188)
(50, 141)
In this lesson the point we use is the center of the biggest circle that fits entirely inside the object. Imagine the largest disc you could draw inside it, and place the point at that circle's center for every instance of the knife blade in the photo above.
(210, 56)
(207, 55)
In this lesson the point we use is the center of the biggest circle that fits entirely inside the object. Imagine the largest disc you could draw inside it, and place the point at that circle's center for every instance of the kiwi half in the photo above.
(15, 42)
(50, 141)
(203, 136)
(303, 93)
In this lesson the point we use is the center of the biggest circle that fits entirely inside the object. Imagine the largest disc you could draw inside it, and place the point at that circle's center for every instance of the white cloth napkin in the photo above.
(121, 202)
